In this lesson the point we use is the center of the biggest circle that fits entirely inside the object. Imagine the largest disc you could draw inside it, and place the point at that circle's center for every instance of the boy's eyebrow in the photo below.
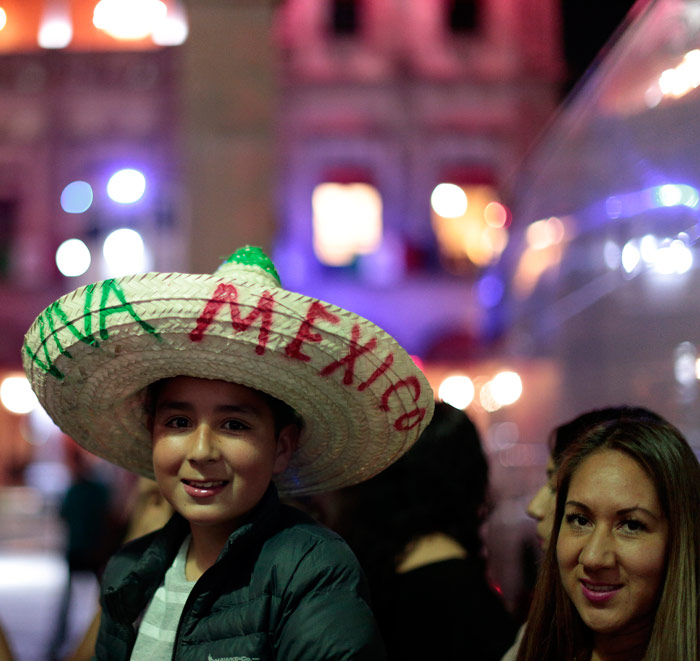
(621, 512)
(177, 405)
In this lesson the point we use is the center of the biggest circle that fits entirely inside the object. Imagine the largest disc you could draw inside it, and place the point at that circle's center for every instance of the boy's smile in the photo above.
(215, 449)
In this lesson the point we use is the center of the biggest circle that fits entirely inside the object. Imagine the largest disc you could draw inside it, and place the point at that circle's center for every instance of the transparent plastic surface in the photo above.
(602, 268)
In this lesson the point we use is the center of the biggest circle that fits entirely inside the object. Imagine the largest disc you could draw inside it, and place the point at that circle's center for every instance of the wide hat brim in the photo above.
(90, 355)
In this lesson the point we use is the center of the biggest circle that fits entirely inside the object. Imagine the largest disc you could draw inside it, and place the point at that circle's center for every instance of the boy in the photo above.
(218, 385)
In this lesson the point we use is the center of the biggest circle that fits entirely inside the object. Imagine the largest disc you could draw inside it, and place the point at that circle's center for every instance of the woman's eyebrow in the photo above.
(621, 512)
(629, 510)
(576, 503)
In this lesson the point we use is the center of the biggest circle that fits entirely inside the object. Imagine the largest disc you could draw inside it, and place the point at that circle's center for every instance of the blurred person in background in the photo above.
(5, 649)
(148, 510)
(85, 510)
(416, 530)
(621, 574)
(543, 504)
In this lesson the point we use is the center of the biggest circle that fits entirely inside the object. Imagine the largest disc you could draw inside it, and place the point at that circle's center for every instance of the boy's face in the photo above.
(215, 449)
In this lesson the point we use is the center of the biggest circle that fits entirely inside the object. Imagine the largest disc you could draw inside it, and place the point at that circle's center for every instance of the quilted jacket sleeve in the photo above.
(327, 615)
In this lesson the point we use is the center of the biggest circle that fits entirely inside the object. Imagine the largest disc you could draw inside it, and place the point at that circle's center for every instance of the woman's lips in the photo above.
(599, 592)
(203, 488)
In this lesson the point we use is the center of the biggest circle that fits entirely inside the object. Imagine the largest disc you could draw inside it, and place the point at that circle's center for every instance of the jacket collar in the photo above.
(129, 597)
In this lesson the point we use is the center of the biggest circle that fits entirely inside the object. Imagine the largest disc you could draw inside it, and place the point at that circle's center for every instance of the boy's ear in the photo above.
(287, 442)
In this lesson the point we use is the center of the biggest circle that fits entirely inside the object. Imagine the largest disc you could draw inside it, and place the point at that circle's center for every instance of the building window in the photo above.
(461, 15)
(8, 222)
(345, 17)
(470, 225)
(347, 221)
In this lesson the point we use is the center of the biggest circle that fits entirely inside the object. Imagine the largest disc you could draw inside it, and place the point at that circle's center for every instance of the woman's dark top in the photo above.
(445, 610)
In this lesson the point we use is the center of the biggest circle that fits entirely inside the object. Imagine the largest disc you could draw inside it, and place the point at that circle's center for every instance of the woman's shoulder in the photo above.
(431, 549)
(512, 653)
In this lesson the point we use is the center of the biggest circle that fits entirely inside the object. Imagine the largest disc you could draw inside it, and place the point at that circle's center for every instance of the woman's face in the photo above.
(612, 545)
(542, 506)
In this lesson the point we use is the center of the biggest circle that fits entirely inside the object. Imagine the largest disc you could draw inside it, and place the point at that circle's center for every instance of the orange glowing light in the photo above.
(30, 25)
(495, 214)
(477, 235)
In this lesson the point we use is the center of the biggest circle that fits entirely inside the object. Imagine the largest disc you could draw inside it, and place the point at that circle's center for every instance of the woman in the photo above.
(543, 504)
(621, 575)
(415, 528)
(541, 507)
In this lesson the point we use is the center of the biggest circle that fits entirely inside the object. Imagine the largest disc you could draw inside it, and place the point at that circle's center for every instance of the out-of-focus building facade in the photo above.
(370, 146)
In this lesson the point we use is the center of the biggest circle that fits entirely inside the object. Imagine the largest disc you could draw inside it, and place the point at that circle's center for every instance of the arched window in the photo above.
(345, 17)
(462, 15)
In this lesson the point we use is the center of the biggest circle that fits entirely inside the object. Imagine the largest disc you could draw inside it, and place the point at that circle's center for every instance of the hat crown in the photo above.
(253, 261)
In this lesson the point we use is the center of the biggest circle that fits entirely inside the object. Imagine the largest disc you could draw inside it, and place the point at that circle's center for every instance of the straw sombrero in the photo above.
(90, 354)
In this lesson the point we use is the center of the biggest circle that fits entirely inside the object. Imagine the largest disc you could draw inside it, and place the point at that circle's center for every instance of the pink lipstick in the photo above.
(599, 592)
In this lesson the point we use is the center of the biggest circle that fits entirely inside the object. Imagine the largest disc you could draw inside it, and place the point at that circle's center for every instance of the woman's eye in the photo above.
(576, 520)
(632, 525)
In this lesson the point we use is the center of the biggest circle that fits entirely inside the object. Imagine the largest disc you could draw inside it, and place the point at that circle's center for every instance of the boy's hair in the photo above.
(282, 414)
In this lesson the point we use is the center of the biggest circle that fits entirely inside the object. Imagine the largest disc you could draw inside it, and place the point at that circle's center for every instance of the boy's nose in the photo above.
(598, 551)
(203, 446)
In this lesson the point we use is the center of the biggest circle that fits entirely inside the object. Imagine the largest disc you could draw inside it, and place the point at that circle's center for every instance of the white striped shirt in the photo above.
(158, 628)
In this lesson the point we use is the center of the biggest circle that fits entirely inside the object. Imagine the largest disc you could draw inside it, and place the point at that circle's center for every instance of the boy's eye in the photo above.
(235, 425)
(177, 422)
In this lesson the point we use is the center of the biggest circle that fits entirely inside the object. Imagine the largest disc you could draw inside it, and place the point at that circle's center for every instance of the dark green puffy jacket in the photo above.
(283, 588)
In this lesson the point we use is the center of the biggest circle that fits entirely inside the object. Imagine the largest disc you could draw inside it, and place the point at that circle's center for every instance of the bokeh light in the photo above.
(684, 363)
(76, 197)
(3, 18)
(17, 396)
(449, 201)
(126, 186)
(673, 258)
(174, 28)
(129, 19)
(124, 252)
(612, 254)
(648, 247)
(73, 258)
(490, 290)
(457, 390)
(55, 32)
(683, 78)
(495, 214)
(544, 233)
(506, 387)
(630, 257)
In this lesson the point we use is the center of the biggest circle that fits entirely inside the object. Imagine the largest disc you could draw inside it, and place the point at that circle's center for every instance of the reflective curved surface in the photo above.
(602, 268)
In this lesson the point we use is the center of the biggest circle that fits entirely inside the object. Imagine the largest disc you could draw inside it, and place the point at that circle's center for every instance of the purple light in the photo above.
(490, 291)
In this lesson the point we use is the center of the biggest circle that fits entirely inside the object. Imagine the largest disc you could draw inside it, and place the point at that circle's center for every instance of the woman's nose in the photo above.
(203, 446)
(537, 507)
(598, 550)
